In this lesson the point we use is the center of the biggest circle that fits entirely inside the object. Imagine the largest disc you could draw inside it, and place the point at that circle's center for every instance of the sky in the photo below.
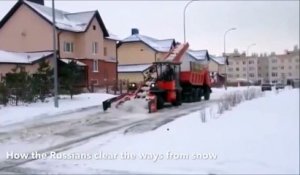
(270, 25)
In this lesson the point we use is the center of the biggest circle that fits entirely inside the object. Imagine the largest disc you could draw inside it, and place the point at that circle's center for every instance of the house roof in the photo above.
(67, 61)
(199, 55)
(133, 68)
(219, 60)
(156, 44)
(22, 57)
(113, 37)
(73, 22)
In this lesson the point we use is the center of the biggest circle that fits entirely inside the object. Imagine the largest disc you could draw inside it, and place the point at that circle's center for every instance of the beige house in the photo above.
(195, 58)
(217, 69)
(134, 73)
(26, 61)
(138, 50)
(27, 27)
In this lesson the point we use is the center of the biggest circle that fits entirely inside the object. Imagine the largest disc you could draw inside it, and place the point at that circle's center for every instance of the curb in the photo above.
(45, 115)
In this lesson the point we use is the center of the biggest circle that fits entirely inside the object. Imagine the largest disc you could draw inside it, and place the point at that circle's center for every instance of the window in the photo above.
(237, 75)
(237, 63)
(94, 27)
(259, 68)
(274, 74)
(95, 66)
(274, 68)
(244, 62)
(274, 61)
(290, 74)
(105, 51)
(297, 60)
(251, 62)
(68, 47)
(230, 69)
(251, 68)
(259, 75)
(237, 69)
(95, 48)
(244, 75)
(244, 69)
(251, 75)
(282, 67)
(290, 67)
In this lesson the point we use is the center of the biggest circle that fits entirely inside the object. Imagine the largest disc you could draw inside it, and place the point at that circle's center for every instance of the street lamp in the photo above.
(253, 44)
(55, 57)
(225, 54)
(185, 7)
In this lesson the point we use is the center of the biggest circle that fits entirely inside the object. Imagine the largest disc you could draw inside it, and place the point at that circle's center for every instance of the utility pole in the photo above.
(55, 57)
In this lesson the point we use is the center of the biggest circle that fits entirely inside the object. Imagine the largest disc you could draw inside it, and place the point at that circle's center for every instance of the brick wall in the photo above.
(106, 71)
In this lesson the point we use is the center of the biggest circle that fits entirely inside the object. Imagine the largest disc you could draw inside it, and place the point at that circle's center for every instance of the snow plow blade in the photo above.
(107, 103)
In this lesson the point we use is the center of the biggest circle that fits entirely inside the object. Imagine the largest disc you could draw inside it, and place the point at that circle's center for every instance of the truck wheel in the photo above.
(160, 102)
(178, 101)
(200, 93)
(194, 95)
(207, 93)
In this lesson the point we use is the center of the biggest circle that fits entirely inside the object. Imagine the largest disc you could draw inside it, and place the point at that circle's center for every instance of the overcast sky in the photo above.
(272, 25)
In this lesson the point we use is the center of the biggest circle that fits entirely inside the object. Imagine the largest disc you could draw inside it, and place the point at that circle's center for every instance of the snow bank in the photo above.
(15, 114)
(260, 136)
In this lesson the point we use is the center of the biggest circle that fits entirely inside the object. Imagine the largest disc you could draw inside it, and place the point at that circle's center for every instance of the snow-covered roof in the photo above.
(158, 45)
(113, 37)
(22, 58)
(67, 61)
(74, 22)
(199, 55)
(219, 59)
(133, 67)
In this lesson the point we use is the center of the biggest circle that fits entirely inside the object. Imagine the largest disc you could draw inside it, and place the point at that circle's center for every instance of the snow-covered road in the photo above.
(71, 130)
(65, 132)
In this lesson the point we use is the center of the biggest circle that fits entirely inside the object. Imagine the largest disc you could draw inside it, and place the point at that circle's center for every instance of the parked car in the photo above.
(279, 86)
(295, 83)
(266, 87)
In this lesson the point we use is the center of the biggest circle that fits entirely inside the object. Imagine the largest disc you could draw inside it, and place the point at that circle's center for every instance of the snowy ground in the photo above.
(17, 114)
(260, 136)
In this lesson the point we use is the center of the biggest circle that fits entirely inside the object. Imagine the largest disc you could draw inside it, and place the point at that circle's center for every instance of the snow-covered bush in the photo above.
(232, 99)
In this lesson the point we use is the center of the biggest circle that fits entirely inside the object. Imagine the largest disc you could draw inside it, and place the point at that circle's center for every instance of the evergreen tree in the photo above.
(19, 82)
(42, 80)
(68, 77)
(3, 93)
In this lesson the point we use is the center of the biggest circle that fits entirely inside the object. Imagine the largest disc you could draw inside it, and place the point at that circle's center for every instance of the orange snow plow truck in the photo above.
(167, 83)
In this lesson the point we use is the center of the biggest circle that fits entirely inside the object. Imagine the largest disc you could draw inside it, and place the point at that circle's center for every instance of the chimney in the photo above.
(41, 2)
(134, 31)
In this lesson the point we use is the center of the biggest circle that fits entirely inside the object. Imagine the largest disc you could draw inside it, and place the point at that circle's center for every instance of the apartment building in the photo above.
(282, 68)
(238, 66)
(264, 68)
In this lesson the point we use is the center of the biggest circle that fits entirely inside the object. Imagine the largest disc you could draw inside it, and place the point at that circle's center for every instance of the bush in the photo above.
(232, 99)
